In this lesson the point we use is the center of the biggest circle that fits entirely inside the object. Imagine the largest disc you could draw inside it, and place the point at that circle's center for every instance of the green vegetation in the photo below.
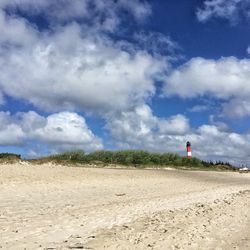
(8, 157)
(219, 165)
(133, 158)
(136, 158)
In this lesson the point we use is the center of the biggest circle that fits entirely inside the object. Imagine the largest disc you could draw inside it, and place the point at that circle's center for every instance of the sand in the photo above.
(57, 207)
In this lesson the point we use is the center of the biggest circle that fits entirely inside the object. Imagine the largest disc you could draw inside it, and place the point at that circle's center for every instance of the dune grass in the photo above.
(9, 158)
(125, 158)
(134, 158)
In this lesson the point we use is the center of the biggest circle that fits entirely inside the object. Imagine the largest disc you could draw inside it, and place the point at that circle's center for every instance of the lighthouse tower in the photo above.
(189, 150)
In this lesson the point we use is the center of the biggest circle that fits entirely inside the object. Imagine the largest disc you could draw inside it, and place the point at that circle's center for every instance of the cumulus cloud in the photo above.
(10, 133)
(232, 10)
(175, 125)
(67, 129)
(237, 108)
(59, 131)
(74, 67)
(222, 78)
(56, 74)
(226, 79)
(140, 129)
(212, 142)
(130, 128)
(16, 31)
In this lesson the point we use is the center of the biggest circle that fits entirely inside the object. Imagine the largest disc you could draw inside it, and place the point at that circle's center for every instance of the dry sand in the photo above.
(56, 207)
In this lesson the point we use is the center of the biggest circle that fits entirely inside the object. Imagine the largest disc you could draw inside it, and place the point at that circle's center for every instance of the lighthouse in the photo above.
(189, 150)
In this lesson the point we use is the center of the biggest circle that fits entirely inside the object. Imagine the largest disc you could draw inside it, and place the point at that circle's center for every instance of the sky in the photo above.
(125, 74)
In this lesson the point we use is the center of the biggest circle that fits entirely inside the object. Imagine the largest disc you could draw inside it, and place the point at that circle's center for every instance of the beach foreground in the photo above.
(57, 207)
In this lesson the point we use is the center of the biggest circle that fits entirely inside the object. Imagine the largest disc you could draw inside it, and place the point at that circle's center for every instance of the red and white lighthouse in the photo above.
(189, 150)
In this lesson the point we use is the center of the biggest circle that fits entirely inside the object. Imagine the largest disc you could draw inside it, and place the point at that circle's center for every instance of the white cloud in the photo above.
(213, 120)
(90, 73)
(102, 14)
(60, 131)
(132, 127)
(73, 66)
(232, 10)
(221, 78)
(139, 9)
(212, 142)
(157, 43)
(16, 31)
(140, 129)
(226, 79)
(199, 108)
(68, 129)
(10, 133)
(237, 107)
(175, 125)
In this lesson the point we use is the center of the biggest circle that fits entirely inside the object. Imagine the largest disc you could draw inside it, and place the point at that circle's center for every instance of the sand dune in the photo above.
(56, 207)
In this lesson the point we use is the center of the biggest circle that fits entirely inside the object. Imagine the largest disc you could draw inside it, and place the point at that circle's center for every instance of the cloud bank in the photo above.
(141, 129)
(59, 131)
(226, 79)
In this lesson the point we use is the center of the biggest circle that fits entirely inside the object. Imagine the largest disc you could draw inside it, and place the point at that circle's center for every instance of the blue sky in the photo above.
(128, 74)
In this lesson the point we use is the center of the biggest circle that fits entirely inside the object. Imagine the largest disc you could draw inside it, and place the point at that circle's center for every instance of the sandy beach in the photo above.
(58, 207)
